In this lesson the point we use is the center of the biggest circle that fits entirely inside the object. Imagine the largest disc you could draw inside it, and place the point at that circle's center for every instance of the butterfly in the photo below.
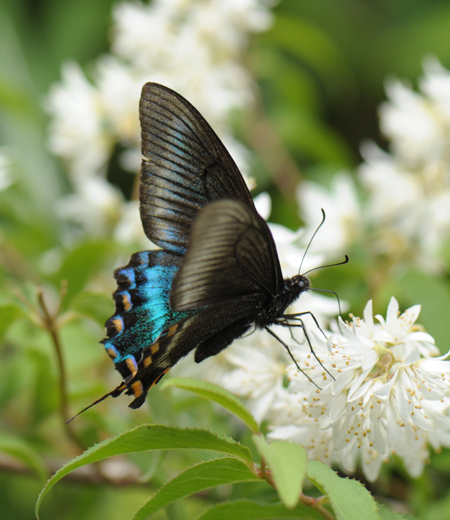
(217, 272)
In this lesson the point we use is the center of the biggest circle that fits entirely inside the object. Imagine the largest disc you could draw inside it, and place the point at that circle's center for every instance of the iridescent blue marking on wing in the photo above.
(143, 311)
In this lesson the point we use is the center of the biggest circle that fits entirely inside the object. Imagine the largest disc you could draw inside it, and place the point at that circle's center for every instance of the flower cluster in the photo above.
(192, 46)
(405, 218)
(383, 390)
(409, 188)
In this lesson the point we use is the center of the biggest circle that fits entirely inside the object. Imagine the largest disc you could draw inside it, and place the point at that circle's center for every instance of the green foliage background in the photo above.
(320, 70)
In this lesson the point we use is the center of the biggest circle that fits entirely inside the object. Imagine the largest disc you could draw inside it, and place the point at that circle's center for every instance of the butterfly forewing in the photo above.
(185, 166)
(228, 258)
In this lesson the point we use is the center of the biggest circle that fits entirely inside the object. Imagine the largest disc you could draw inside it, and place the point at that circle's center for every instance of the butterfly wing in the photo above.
(185, 166)
(227, 275)
(231, 257)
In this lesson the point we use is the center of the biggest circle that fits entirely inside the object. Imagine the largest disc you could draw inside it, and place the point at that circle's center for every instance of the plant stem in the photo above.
(50, 323)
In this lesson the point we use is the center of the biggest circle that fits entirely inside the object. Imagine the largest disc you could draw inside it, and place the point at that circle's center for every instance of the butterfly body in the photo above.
(217, 273)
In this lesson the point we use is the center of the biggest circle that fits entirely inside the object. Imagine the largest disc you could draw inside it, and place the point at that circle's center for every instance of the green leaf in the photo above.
(288, 462)
(9, 313)
(198, 478)
(311, 45)
(249, 510)
(386, 514)
(22, 451)
(92, 305)
(349, 499)
(217, 394)
(148, 438)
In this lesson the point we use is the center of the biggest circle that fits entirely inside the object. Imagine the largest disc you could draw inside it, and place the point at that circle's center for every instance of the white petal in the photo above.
(384, 390)
(412, 357)
(369, 360)
(339, 404)
(393, 429)
(368, 314)
(392, 313)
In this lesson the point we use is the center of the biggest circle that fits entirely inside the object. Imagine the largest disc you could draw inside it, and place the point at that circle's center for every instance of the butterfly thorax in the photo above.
(277, 305)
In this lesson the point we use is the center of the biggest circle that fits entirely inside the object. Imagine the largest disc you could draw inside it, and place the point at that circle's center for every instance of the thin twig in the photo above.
(50, 323)
(316, 503)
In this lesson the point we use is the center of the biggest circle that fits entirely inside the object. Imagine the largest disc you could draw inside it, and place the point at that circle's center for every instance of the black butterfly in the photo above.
(217, 273)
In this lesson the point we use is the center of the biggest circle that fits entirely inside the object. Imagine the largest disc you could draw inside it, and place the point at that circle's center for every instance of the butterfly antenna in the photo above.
(311, 239)
(117, 391)
(328, 265)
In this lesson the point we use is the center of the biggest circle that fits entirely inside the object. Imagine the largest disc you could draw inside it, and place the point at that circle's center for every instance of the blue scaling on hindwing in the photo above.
(142, 311)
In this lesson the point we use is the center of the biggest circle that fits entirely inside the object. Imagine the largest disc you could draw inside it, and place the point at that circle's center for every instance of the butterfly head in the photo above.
(296, 285)
(293, 288)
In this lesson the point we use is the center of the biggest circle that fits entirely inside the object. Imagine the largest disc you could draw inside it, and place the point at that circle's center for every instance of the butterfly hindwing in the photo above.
(185, 166)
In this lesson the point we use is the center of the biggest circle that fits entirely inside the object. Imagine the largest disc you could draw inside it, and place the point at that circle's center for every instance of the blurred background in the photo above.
(294, 88)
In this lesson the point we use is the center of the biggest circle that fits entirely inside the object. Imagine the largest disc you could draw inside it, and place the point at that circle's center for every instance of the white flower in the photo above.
(436, 85)
(407, 210)
(413, 123)
(119, 88)
(388, 394)
(409, 188)
(343, 222)
(76, 130)
(257, 367)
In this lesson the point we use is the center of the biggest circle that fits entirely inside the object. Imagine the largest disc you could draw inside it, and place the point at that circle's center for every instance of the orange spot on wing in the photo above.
(118, 324)
(112, 353)
(126, 301)
(137, 388)
(131, 364)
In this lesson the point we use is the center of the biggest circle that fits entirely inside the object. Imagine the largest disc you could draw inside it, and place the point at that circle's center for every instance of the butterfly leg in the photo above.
(296, 317)
(285, 345)
(302, 326)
